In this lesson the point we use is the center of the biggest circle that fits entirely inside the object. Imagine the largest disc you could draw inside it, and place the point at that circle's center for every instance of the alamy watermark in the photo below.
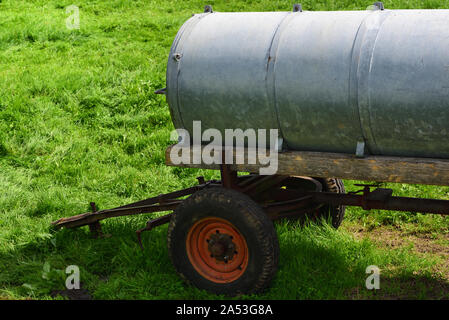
(238, 146)
(373, 280)
(73, 280)
(73, 21)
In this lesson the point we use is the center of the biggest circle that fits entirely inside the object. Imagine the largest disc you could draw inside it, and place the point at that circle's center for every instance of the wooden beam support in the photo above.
(346, 166)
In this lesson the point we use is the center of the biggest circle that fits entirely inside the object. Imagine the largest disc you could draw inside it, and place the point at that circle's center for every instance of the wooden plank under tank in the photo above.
(345, 166)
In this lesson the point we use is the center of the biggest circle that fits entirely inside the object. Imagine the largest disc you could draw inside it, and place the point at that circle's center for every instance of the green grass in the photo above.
(79, 122)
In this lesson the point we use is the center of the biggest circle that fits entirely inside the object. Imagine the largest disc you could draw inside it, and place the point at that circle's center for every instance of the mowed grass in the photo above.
(79, 122)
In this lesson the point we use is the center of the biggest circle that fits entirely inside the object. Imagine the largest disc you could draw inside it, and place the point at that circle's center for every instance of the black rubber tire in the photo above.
(334, 214)
(251, 221)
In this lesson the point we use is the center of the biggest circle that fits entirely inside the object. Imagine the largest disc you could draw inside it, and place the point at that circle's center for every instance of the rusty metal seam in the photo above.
(271, 61)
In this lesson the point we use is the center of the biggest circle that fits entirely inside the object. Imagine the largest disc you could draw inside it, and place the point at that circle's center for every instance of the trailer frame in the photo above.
(302, 165)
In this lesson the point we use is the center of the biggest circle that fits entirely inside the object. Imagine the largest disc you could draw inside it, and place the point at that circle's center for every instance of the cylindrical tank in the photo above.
(326, 80)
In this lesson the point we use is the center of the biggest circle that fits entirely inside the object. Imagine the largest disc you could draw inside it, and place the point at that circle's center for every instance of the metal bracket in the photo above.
(379, 5)
(208, 9)
(360, 149)
(379, 194)
(161, 91)
(201, 180)
(95, 228)
(228, 176)
(366, 188)
(297, 7)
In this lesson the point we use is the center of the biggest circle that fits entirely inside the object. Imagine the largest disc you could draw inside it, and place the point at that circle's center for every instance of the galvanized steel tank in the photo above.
(326, 80)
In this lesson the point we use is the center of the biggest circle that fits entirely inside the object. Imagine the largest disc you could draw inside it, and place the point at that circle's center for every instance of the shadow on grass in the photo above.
(315, 263)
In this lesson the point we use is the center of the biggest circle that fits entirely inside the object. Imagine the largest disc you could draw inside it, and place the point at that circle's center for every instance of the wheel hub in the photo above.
(217, 250)
(221, 247)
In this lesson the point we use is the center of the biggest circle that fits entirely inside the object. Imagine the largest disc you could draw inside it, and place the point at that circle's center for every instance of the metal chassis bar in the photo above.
(421, 205)
(163, 202)
(255, 187)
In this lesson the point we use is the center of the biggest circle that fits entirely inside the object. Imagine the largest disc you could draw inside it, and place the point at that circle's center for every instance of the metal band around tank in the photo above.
(359, 83)
(271, 68)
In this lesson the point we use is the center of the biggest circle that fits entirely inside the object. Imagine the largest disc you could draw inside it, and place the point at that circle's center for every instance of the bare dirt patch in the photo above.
(405, 289)
(416, 287)
(421, 244)
(73, 294)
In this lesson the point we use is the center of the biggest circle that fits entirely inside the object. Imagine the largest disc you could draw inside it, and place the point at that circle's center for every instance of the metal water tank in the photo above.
(326, 80)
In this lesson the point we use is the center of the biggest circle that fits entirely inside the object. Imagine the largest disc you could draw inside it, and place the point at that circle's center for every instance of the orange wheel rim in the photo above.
(217, 250)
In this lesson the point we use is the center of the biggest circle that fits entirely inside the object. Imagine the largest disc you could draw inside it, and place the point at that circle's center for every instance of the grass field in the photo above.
(79, 122)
